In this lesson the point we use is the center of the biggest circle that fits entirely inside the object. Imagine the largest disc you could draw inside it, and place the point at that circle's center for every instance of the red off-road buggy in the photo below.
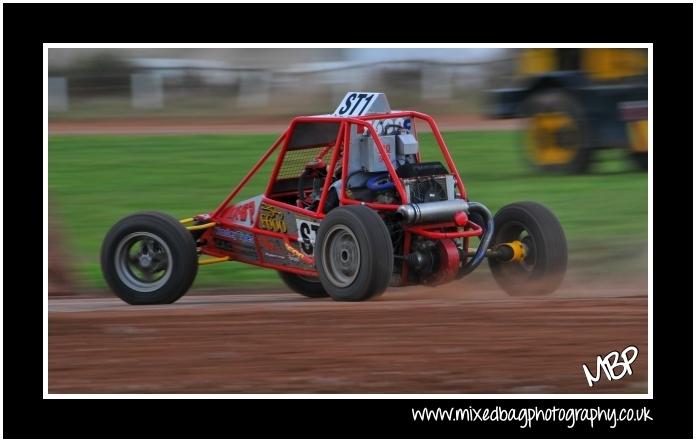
(350, 208)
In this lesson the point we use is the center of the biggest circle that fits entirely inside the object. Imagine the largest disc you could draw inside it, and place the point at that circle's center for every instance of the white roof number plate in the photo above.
(356, 104)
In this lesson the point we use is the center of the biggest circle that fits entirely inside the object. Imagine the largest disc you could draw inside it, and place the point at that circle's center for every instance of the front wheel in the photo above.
(149, 258)
(354, 254)
(538, 254)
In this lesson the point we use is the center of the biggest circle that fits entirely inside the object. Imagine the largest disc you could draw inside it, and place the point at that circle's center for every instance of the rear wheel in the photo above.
(354, 254)
(149, 258)
(304, 285)
(555, 137)
(541, 255)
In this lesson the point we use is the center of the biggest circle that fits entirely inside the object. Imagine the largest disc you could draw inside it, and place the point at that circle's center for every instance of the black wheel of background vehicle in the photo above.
(555, 136)
(637, 134)
(354, 254)
(640, 159)
(304, 285)
(149, 258)
(540, 264)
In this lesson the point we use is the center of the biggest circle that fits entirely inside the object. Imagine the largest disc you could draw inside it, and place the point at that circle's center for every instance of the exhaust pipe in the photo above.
(486, 238)
(436, 211)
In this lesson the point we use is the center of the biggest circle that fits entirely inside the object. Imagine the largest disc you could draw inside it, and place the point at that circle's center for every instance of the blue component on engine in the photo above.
(380, 182)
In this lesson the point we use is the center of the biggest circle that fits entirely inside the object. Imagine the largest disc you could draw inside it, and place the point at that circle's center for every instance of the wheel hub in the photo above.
(552, 138)
(341, 256)
(513, 251)
(145, 261)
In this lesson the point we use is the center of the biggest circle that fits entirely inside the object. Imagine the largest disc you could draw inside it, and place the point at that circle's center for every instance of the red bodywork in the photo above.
(253, 232)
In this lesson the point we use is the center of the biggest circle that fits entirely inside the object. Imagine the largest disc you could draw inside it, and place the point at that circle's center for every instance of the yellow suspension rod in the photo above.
(201, 227)
(186, 220)
(213, 260)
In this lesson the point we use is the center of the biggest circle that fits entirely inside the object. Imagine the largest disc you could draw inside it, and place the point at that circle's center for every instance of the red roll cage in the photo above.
(343, 140)
(437, 231)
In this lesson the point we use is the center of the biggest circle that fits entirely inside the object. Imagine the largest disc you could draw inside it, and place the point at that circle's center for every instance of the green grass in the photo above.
(95, 180)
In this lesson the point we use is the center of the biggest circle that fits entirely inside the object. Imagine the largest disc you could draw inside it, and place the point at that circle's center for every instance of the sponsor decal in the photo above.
(236, 235)
(243, 212)
(299, 255)
(279, 251)
(236, 242)
(273, 219)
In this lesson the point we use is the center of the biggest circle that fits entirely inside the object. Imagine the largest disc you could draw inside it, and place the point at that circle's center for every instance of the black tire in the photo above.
(637, 146)
(354, 254)
(543, 268)
(563, 151)
(166, 249)
(303, 285)
(640, 159)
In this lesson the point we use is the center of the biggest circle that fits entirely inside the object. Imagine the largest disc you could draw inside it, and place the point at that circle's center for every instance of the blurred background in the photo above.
(174, 130)
(224, 83)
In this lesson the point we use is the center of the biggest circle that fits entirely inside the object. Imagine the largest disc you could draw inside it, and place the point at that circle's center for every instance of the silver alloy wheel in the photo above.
(143, 261)
(340, 256)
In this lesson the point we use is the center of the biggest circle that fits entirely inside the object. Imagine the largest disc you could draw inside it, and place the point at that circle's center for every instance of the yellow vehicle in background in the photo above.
(576, 101)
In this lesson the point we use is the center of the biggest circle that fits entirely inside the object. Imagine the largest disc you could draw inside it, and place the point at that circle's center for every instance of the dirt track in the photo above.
(452, 339)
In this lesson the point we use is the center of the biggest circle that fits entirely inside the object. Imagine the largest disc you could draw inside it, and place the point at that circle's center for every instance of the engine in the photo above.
(369, 181)
(433, 262)
(419, 184)
(426, 182)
